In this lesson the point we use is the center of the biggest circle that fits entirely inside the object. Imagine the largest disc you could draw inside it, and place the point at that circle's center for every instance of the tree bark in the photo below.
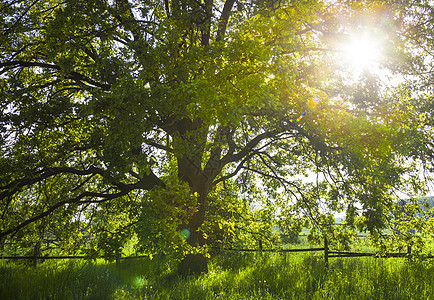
(195, 264)
(190, 171)
(200, 179)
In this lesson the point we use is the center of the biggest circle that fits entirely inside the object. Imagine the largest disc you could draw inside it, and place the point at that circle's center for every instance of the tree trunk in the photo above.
(200, 180)
(195, 264)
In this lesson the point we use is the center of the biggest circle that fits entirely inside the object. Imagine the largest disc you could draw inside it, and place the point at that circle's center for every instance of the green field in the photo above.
(231, 276)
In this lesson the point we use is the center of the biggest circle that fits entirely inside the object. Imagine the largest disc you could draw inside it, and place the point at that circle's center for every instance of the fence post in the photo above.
(326, 252)
(408, 250)
(36, 253)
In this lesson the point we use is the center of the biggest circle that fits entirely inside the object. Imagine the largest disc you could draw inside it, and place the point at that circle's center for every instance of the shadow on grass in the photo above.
(231, 276)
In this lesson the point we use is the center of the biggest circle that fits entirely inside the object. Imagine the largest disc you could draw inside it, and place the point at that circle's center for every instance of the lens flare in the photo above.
(184, 234)
(300, 117)
(311, 104)
(139, 281)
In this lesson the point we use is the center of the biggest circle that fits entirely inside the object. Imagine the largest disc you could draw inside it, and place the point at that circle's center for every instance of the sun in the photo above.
(361, 51)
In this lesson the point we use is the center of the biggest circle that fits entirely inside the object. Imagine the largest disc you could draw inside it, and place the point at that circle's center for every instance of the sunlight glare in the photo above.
(361, 52)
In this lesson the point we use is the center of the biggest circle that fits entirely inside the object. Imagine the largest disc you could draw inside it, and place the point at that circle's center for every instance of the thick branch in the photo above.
(147, 182)
(16, 185)
(206, 33)
(248, 147)
(159, 146)
(235, 172)
(214, 165)
(81, 78)
(73, 75)
(224, 18)
(60, 204)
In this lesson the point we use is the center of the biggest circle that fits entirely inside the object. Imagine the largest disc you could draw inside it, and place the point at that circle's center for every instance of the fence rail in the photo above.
(66, 257)
(44, 257)
(358, 254)
(327, 254)
(272, 250)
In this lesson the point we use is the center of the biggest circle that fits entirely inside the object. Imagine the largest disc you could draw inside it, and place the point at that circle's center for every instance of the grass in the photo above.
(231, 276)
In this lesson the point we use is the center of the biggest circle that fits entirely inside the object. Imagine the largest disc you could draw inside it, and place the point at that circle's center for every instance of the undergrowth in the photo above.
(231, 276)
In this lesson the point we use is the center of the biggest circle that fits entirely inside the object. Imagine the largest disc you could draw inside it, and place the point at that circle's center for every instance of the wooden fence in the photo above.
(327, 254)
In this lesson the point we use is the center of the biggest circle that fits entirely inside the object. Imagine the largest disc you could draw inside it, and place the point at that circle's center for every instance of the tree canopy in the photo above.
(156, 116)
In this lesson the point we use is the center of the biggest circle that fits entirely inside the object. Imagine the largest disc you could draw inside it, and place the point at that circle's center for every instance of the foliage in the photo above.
(148, 117)
(162, 214)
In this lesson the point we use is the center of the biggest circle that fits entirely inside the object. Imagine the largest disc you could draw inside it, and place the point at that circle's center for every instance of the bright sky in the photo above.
(361, 51)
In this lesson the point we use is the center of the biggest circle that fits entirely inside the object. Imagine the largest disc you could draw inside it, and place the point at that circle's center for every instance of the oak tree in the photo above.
(124, 101)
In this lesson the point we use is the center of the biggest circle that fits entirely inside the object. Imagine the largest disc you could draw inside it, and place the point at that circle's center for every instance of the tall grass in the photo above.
(232, 276)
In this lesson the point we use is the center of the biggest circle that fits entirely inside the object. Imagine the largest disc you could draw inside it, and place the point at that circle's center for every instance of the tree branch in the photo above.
(285, 182)
(58, 205)
(7, 31)
(159, 146)
(147, 182)
(16, 185)
(73, 75)
(248, 147)
(235, 172)
(224, 18)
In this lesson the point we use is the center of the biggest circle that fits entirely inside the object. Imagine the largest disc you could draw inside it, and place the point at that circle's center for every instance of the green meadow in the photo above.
(232, 276)
(177, 129)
